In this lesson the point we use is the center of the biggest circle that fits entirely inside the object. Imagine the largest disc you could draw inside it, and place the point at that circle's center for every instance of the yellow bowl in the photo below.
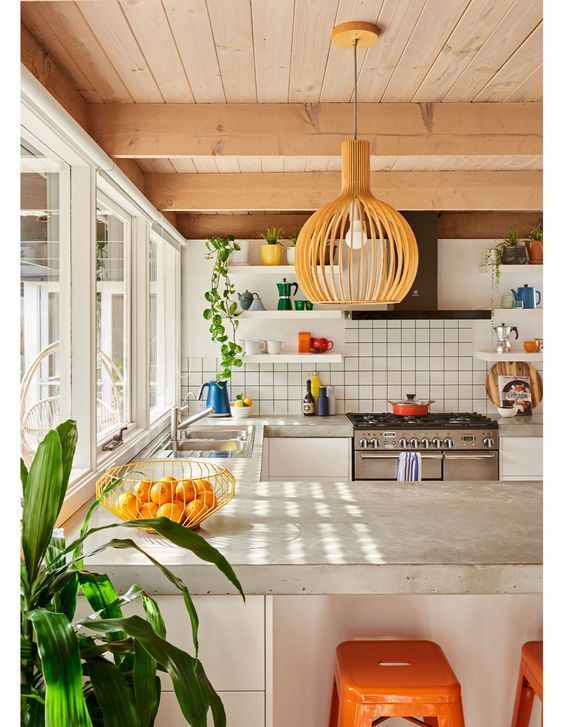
(186, 491)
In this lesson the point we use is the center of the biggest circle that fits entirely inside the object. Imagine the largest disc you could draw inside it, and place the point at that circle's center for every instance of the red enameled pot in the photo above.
(411, 407)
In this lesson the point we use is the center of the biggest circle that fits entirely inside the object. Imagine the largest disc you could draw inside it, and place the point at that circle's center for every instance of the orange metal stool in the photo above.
(529, 683)
(376, 680)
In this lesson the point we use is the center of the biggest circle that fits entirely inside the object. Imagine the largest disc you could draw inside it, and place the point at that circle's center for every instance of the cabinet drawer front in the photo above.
(309, 457)
(521, 458)
(243, 709)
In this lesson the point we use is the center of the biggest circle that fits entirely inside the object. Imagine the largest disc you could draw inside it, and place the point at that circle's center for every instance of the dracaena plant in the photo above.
(102, 669)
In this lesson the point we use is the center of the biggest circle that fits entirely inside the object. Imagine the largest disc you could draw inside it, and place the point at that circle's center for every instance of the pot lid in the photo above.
(410, 400)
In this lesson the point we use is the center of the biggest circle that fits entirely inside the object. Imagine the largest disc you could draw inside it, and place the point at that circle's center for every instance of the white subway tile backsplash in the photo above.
(394, 335)
(407, 349)
(365, 335)
(408, 335)
(365, 349)
(365, 377)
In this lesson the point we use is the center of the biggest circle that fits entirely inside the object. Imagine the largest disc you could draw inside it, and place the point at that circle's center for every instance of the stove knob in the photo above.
(436, 443)
(402, 443)
(414, 442)
(364, 443)
(425, 442)
(489, 443)
(374, 443)
(448, 443)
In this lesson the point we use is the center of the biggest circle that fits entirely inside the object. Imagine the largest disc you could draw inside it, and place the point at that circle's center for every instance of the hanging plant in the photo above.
(492, 261)
(222, 310)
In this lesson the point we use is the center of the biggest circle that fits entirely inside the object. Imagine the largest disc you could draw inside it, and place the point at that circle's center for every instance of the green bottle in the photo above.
(308, 405)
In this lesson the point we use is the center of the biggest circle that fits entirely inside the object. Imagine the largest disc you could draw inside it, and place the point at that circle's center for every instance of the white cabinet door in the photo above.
(306, 458)
(243, 709)
(521, 458)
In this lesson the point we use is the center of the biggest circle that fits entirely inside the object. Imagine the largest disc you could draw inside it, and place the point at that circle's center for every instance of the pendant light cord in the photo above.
(355, 91)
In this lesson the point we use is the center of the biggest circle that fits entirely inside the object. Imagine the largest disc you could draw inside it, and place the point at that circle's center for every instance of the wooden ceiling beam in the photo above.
(394, 129)
(457, 190)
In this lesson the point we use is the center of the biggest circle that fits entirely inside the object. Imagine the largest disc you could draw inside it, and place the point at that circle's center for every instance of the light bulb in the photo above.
(355, 236)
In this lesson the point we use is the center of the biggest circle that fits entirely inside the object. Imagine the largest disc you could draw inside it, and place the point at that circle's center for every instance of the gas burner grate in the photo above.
(452, 420)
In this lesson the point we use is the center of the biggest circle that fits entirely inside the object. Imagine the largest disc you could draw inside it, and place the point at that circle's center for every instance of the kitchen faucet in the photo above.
(176, 411)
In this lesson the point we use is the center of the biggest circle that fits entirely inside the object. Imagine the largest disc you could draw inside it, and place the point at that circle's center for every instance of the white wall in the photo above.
(480, 635)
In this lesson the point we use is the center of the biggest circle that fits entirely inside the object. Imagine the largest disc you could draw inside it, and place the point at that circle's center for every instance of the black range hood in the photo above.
(422, 299)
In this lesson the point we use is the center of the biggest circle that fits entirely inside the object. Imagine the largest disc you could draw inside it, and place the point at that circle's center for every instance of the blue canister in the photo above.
(322, 402)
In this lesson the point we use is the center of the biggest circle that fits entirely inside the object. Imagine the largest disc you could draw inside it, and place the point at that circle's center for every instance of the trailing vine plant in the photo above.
(492, 261)
(222, 309)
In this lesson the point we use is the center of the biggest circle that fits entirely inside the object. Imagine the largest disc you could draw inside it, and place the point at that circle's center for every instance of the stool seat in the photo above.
(380, 672)
(377, 680)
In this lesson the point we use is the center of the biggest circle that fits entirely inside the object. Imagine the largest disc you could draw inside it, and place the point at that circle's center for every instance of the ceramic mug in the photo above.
(507, 301)
(299, 304)
(519, 304)
(540, 342)
(273, 346)
(320, 345)
(254, 346)
(531, 346)
(308, 305)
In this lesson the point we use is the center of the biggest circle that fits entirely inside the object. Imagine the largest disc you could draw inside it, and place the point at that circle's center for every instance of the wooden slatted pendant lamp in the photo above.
(356, 250)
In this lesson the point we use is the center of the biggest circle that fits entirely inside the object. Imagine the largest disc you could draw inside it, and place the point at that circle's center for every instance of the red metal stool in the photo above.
(376, 680)
(529, 683)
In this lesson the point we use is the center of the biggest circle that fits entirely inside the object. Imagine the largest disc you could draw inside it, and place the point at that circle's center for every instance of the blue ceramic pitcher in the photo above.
(217, 397)
(531, 297)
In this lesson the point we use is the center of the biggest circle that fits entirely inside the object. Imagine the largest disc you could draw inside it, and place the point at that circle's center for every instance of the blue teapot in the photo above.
(528, 296)
(217, 397)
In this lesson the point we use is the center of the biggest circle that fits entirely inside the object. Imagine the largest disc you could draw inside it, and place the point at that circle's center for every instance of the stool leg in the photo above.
(431, 721)
(523, 706)
(334, 713)
(454, 716)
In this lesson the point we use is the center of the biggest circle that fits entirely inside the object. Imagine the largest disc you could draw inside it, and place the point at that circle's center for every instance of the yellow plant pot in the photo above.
(271, 254)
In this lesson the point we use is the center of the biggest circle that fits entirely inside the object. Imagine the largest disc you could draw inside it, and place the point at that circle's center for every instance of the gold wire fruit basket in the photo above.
(185, 491)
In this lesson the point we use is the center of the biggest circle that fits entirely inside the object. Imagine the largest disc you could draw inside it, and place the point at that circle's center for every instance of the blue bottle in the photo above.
(322, 402)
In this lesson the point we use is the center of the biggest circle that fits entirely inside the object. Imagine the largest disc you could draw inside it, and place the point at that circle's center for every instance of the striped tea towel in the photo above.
(409, 467)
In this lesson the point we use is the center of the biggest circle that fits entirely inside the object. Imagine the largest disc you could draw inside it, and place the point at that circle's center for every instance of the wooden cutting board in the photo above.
(513, 368)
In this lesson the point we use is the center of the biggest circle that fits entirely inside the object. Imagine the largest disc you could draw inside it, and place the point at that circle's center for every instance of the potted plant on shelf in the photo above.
(535, 245)
(513, 249)
(271, 252)
(102, 669)
(291, 248)
(222, 305)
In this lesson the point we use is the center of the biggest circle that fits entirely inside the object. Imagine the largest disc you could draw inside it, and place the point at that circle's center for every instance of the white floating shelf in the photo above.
(511, 356)
(265, 269)
(514, 269)
(294, 315)
(292, 357)
(525, 312)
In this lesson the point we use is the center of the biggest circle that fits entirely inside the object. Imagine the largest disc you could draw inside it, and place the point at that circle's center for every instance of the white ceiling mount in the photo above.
(345, 34)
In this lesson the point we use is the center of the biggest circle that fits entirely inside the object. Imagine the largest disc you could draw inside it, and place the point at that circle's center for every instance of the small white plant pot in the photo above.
(241, 257)
(290, 255)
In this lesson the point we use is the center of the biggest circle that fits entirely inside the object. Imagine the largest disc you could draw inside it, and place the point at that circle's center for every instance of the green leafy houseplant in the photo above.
(272, 235)
(101, 670)
(223, 305)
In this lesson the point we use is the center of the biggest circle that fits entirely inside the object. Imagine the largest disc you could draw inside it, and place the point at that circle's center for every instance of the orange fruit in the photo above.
(193, 510)
(127, 505)
(204, 486)
(162, 492)
(208, 499)
(142, 488)
(172, 510)
(186, 491)
(169, 478)
(148, 510)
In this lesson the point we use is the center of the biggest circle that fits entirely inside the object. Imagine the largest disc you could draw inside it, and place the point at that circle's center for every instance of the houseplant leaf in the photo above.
(190, 693)
(60, 659)
(112, 694)
(68, 435)
(146, 684)
(41, 502)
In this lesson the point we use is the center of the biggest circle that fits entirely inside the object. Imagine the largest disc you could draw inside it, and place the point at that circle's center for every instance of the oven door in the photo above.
(471, 465)
(383, 465)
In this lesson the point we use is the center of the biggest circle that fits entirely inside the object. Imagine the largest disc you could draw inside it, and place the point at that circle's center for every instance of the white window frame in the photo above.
(51, 128)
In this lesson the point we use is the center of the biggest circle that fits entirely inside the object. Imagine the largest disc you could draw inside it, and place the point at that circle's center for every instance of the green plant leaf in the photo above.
(23, 474)
(64, 596)
(68, 435)
(101, 595)
(112, 694)
(216, 705)
(41, 502)
(60, 660)
(191, 694)
(145, 682)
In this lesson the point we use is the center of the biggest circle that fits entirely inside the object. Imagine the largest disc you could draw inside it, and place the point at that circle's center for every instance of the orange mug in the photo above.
(531, 346)
(320, 345)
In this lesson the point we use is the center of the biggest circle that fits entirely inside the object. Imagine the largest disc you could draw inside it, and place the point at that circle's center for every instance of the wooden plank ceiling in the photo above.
(178, 88)
(241, 51)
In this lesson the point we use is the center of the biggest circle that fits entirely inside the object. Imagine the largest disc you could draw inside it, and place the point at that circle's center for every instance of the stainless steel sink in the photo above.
(208, 442)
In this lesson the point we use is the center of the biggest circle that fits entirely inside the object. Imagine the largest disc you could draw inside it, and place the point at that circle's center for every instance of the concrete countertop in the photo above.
(520, 426)
(346, 538)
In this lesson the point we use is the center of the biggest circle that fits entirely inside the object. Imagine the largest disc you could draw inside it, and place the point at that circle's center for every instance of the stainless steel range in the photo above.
(452, 446)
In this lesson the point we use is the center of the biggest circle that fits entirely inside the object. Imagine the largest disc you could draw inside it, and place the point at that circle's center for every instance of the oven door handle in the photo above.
(488, 455)
(395, 456)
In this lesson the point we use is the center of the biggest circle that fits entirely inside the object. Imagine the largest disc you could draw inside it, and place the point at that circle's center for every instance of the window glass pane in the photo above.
(44, 358)
(162, 325)
(112, 328)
